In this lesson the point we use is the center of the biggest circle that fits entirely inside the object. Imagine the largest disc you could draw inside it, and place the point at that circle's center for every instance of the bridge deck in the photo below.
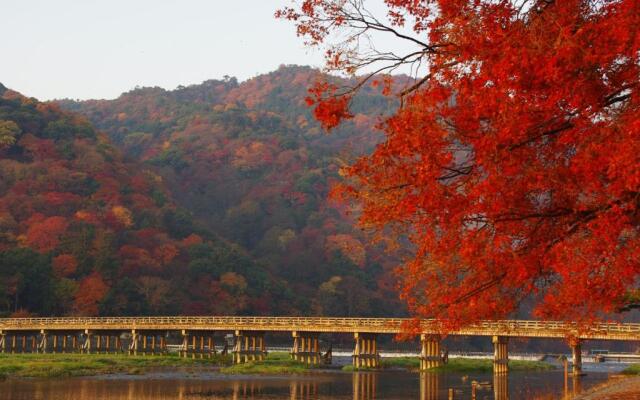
(512, 328)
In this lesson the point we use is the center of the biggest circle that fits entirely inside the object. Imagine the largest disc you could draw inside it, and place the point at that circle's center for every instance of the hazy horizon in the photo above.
(179, 85)
(98, 50)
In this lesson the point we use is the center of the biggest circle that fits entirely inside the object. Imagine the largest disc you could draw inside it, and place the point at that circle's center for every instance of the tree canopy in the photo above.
(512, 165)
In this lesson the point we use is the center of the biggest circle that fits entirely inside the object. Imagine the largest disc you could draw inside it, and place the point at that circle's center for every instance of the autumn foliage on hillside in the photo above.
(252, 165)
(512, 166)
(85, 232)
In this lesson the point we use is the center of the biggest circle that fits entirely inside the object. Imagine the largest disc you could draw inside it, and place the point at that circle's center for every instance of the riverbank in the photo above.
(69, 365)
(623, 388)
(276, 363)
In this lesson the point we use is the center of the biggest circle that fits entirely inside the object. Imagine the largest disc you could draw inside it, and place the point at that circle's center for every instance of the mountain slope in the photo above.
(84, 231)
(251, 164)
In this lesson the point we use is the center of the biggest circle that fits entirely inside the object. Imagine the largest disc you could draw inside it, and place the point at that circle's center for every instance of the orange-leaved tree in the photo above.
(511, 167)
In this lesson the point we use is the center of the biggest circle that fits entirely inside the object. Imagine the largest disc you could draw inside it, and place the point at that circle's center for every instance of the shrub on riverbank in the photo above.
(67, 365)
(633, 369)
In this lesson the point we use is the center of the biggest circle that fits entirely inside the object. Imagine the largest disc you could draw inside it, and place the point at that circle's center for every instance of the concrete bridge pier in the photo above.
(3, 342)
(365, 353)
(576, 353)
(249, 346)
(430, 356)
(500, 355)
(306, 347)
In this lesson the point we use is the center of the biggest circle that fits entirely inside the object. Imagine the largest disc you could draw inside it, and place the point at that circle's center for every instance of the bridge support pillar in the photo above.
(74, 343)
(3, 342)
(64, 344)
(133, 347)
(184, 347)
(576, 353)
(430, 352)
(365, 353)
(500, 355)
(86, 347)
(306, 347)
(42, 346)
(249, 346)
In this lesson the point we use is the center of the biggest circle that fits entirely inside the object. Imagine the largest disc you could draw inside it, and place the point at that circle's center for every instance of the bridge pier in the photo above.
(3, 342)
(87, 345)
(500, 355)
(249, 346)
(306, 347)
(133, 346)
(198, 344)
(74, 343)
(42, 346)
(576, 353)
(430, 352)
(365, 353)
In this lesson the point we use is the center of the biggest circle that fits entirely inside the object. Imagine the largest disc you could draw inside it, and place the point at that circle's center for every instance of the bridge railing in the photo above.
(327, 324)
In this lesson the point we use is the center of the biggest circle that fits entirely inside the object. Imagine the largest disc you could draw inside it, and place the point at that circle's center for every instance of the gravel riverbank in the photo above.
(616, 389)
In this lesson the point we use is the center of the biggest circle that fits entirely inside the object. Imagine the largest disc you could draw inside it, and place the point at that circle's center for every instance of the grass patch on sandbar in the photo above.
(67, 365)
(459, 365)
(486, 365)
(275, 363)
(633, 369)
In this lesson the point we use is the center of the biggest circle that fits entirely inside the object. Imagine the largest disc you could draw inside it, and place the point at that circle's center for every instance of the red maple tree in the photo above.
(512, 165)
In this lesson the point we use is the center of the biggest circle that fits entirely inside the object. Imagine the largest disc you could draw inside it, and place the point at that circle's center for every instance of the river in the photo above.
(329, 384)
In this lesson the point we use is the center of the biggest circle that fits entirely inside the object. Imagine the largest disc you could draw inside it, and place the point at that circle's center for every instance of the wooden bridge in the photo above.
(150, 334)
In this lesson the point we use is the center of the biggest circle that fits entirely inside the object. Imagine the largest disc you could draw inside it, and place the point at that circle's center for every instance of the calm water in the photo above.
(400, 385)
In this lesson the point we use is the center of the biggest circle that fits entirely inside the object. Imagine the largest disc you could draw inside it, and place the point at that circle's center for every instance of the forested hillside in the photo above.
(85, 232)
(249, 163)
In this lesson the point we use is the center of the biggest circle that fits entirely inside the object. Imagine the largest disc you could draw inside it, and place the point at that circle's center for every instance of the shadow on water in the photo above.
(321, 385)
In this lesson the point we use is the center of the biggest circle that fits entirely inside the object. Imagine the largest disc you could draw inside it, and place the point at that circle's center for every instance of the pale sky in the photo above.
(100, 48)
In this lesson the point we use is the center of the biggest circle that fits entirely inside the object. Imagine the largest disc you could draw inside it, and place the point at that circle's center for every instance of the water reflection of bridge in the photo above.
(364, 386)
(148, 334)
